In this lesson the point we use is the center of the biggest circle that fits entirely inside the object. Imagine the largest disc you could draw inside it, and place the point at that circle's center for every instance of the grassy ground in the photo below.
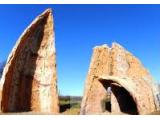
(70, 105)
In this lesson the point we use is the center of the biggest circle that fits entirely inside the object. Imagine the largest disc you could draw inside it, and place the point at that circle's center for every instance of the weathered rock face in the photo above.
(119, 70)
(29, 80)
(156, 92)
(0, 97)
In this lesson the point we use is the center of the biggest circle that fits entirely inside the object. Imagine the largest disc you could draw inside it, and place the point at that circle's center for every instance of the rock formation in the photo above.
(156, 92)
(117, 73)
(29, 80)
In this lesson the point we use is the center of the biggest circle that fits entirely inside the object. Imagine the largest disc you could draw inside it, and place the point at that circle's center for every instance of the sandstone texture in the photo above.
(119, 70)
(29, 80)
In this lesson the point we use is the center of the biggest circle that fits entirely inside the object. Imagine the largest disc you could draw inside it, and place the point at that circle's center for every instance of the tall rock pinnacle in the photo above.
(29, 80)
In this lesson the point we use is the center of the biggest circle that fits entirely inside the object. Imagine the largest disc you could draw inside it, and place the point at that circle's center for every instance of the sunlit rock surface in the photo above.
(29, 80)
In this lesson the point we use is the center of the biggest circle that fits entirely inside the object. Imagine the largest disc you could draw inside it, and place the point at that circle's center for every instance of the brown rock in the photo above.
(29, 80)
(0, 97)
(118, 70)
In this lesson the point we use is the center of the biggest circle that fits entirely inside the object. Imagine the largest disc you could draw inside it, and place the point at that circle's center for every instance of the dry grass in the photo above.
(69, 107)
(71, 111)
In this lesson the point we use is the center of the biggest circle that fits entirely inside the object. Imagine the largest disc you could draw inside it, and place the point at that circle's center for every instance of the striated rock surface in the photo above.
(29, 80)
(119, 70)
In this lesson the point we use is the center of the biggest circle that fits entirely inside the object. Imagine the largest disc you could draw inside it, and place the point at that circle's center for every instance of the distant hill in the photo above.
(75, 98)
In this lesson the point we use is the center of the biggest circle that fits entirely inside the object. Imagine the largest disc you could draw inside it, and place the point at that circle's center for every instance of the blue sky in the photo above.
(79, 28)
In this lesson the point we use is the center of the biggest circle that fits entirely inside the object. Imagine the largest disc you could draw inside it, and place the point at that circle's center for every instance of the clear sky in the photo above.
(79, 28)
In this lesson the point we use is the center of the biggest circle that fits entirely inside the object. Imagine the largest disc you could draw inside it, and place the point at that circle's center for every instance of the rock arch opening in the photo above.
(117, 99)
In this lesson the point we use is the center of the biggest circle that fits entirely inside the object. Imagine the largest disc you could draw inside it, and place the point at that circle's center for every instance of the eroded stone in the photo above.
(29, 80)
(118, 69)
